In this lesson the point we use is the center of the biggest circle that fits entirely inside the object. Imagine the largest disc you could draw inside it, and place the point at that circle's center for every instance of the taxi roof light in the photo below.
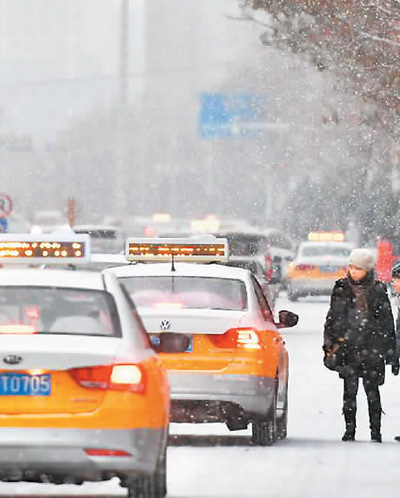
(326, 236)
(52, 248)
(206, 249)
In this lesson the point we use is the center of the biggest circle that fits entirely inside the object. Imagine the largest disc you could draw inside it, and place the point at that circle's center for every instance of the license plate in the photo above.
(25, 385)
(155, 342)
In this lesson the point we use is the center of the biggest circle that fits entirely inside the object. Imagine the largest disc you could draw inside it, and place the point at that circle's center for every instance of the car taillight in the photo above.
(239, 337)
(248, 338)
(115, 377)
(128, 377)
(106, 452)
(303, 267)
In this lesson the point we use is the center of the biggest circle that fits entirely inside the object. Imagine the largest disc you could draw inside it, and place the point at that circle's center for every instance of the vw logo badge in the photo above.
(12, 359)
(165, 324)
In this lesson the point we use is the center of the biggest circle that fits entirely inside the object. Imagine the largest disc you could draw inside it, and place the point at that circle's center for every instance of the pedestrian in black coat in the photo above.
(359, 336)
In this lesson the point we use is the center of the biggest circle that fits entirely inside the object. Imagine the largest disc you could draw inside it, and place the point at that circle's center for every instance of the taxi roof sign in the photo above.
(27, 248)
(206, 250)
(325, 236)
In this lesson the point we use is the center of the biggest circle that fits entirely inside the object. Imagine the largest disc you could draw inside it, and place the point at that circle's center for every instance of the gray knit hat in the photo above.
(362, 258)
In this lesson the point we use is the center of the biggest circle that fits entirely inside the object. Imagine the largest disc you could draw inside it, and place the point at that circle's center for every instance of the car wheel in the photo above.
(292, 296)
(281, 422)
(264, 429)
(152, 486)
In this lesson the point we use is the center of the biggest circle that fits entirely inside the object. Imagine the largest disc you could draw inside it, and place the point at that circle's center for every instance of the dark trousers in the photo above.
(371, 389)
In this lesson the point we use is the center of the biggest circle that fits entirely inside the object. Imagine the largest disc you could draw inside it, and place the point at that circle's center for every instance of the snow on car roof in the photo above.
(182, 269)
(52, 278)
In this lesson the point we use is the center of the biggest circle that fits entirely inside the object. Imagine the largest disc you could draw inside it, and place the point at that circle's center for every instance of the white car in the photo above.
(233, 364)
(83, 395)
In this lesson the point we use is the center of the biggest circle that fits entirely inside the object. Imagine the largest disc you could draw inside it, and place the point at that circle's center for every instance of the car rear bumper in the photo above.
(251, 395)
(59, 454)
(322, 286)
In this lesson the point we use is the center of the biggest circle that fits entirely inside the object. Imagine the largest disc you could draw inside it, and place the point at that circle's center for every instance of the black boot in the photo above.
(376, 436)
(350, 432)
(375, 411)
(375, 426)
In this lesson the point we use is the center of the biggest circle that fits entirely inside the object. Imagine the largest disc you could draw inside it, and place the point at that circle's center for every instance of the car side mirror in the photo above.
(287, 319)
(173, 343)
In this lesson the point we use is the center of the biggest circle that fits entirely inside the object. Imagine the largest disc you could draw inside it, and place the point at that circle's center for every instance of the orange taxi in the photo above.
(226, 359)
(83, 396)
(319, 262)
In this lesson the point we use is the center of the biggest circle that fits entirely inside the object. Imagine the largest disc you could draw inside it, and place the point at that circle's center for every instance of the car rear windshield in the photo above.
(326, 250)
(187, 292)
(51, 310)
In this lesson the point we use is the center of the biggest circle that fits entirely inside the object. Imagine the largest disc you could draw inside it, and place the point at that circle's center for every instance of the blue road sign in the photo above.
(3, 225)
(232, 115)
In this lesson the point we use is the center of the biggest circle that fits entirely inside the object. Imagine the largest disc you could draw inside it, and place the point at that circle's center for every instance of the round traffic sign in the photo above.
(5, 205)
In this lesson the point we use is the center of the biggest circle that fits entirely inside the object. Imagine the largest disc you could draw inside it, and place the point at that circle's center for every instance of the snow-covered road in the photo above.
(210, 462)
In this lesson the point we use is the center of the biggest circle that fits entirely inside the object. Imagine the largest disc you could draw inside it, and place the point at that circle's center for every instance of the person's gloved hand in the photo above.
(395, 369)
(327, 347)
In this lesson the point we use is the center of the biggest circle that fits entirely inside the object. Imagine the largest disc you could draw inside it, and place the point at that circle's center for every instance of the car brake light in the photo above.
(303, 267)
(127, 377)
(115, 377)
(32, 313)
(248, 338)
(17, 329)
(240, 337)
(106, 452)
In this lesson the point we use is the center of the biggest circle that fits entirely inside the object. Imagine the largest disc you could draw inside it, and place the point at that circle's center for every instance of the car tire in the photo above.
(281, 423)
(264, 429)
(292, 296)
(152, 486)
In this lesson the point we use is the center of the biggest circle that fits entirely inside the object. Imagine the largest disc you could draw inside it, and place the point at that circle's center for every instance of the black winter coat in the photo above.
(365, 347)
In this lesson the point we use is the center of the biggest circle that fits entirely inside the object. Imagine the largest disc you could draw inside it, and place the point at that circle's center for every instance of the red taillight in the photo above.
(33, 313)
(17, 329)
(226, 340)
(248, 338)
(240, 337)
(105, 452)
(303, 267)
(116, 377)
